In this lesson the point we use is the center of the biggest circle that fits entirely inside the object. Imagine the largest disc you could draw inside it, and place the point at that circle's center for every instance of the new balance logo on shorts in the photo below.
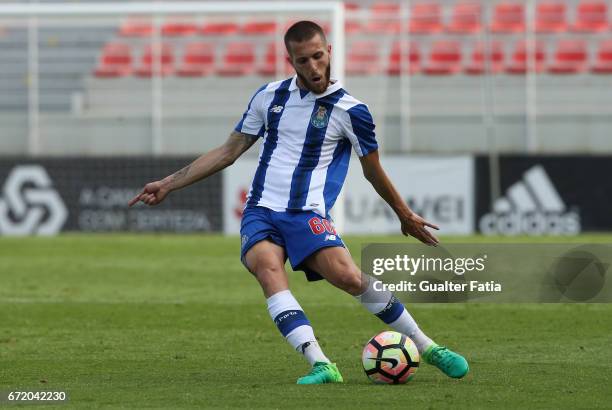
(531, 206)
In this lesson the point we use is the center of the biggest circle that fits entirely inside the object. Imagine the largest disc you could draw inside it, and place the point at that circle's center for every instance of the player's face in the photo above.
(310, 59)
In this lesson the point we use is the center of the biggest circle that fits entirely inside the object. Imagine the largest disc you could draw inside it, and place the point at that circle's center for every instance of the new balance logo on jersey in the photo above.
(277, 109)
(531, 206)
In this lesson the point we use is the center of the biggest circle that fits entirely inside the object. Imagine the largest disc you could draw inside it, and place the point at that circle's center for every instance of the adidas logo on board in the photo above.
(531, 206)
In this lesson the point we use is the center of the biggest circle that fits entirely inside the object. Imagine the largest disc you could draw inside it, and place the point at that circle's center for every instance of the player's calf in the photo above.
(338, 268)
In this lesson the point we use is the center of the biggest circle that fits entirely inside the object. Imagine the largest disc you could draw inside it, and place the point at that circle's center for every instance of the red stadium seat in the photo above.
(411, 58)
(425, 18)
(136, 27)
(219, 29)
(466, 18)
(550, 17)
(519, 62)
(486, 58)
(198, 60)
(259, 28)
(444, 58)
(570, 57)
(268, 65)
(351, 7)
(352, 25)
(239, 59)
(592, 17)
(150, 59)
(603, 63)
(115, 61)
(508, 18)
(179, 28)
(363, 58)
(384, 18)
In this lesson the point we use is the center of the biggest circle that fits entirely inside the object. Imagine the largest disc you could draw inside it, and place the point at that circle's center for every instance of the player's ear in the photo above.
(329, 49)
(290, 60)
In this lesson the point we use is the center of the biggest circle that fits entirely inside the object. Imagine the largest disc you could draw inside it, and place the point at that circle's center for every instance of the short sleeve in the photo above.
(360, 130)
(253, 121)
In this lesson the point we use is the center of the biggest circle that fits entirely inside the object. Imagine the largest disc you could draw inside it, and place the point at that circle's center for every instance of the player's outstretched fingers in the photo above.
(136, 199)
(433, 226)
(150, 199)
(430, 237)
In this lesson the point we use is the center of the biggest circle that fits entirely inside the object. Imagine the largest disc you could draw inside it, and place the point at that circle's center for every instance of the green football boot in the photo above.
(322, 373)
(450, 363)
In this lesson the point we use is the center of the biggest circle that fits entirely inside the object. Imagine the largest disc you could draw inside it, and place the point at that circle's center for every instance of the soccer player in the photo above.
(309, 124)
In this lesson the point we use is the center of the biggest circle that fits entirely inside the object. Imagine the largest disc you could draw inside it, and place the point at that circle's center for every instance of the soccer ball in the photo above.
(391, 358)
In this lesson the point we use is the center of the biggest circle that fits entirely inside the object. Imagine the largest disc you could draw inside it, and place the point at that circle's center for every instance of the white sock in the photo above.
(406, 324)
(391, 311)
(290, 319)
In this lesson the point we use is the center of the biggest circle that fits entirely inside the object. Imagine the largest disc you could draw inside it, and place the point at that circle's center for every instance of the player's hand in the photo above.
(416, 226)
(152, 194)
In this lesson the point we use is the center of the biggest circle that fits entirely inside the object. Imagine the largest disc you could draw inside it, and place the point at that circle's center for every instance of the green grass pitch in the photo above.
(126, 321)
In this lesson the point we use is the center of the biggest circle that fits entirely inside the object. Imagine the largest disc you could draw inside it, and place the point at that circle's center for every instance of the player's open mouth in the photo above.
(316, 79)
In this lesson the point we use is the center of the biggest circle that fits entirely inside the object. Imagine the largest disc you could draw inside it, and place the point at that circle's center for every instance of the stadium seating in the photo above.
(351, 7)
(444, 58)
(253, 50)
(466, 18)
(603, 63)
(179, 28)
(219, 28)
(486, 58)
(198, 60)
(268, 64)
(591, 16)
(520, 63)
(363, 58)
(115, 61)
(136, 27)
(425, 18)
(551, 17)
(411, 58)
(384, 18)
(239, 59)
(259, 28)
(508, 18)
(352, 25)
(150, 59)
(570, 57)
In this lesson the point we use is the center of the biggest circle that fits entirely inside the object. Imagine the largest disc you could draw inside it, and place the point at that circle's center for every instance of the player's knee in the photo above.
(268, 273)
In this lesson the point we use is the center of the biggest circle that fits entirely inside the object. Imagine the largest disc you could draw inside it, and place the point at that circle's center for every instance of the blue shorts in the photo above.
(301, 233)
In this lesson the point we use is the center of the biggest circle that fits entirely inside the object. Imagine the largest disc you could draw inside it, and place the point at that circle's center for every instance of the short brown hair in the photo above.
(302, 31)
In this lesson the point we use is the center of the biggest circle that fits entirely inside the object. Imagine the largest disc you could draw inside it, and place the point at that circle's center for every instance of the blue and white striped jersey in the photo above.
(305, 155)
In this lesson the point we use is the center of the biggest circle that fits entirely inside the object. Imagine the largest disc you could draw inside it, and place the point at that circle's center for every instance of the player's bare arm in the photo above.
(204, 166)
(412, 224)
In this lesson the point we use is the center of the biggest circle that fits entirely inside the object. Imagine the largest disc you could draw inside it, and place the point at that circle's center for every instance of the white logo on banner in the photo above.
(531, 206)
(29, 205)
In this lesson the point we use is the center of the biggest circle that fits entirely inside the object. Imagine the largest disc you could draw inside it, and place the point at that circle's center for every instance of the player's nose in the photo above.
(312, 67)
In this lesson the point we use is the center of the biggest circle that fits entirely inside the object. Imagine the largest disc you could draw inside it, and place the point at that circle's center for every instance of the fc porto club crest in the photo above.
(320, 118)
